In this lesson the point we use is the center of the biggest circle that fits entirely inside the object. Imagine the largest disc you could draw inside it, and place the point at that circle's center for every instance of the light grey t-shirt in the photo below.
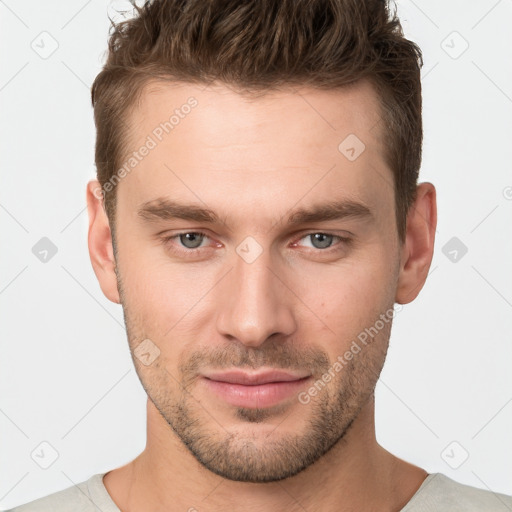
(437, 493)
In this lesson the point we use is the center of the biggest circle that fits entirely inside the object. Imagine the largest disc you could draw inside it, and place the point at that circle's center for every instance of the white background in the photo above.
(66, 376)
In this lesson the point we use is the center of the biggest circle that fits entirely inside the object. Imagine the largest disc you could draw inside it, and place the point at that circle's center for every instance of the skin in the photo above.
(298, 305)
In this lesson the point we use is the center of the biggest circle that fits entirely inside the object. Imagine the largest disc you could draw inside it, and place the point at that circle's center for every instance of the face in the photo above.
(257, 262)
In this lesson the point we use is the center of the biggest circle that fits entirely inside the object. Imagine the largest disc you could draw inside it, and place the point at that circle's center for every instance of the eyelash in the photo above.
(167, 239)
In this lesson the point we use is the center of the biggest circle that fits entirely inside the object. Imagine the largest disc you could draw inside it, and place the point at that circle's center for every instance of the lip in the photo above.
(254, 378)
(255, 390)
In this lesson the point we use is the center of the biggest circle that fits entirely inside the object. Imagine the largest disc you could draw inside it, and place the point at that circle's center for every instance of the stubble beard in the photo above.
(273, 456)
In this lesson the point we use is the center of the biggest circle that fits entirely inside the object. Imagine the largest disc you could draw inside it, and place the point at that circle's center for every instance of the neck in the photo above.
(356, 474)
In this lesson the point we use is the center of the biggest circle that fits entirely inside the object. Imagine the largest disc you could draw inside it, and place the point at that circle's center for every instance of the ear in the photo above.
(99, 240)
(418, 247)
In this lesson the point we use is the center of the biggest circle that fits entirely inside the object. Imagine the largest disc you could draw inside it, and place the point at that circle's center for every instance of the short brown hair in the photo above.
(262, 45)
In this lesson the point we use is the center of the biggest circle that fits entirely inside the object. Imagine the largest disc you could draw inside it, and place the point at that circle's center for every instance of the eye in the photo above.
(190, 243)
(320, 240)
(186, 243)
(191, 240)
(324, 241)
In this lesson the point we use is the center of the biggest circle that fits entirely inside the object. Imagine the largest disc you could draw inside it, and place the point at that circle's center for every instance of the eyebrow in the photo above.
(166, 209)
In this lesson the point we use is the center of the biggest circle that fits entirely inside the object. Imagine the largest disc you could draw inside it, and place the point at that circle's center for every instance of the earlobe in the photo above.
(100, 243)
(418, 248)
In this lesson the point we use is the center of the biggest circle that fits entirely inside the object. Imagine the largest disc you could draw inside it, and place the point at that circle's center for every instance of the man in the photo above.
(257, 214)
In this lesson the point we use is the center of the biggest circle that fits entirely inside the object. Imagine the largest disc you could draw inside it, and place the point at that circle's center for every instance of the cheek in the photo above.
(356, 295)
(165, 300)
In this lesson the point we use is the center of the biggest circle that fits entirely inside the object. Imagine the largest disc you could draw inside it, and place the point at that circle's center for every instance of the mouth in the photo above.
(255, 390)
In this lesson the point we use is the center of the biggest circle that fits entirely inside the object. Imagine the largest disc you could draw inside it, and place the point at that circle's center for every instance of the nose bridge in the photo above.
(256, 303)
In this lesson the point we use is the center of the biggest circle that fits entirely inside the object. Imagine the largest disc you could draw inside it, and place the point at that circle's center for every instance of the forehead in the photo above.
(219, 111)
(215, 146)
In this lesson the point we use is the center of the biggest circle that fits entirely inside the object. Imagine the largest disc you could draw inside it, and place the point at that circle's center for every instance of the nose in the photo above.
(255, 302)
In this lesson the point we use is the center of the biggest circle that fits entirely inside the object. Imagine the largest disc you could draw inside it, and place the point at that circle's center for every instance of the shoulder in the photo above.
(82, 497)
(440, 493)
